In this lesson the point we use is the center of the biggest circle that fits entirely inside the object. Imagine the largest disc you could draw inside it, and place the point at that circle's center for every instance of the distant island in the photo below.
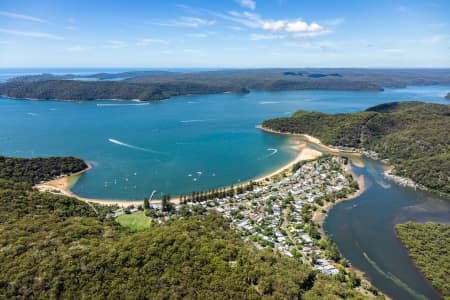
(448, 96)
(413, 136)
(157, 85)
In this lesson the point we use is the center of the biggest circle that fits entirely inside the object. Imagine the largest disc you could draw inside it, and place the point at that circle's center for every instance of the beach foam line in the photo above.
(114, 141)
(121, 104)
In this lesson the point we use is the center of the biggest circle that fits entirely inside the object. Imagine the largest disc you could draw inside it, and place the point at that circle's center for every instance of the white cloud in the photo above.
(274, 25)
(250, 4)
(21, 17)
(145, 42)
(196, 22)
(192, 22)
(246, 19)
(298, 28)
(35, 34)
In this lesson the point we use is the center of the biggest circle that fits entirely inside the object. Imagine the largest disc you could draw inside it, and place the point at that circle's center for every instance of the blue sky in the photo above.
(226, 33)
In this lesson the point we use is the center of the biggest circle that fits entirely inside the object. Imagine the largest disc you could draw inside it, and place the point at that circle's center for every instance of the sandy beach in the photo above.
(63, 185)
(304, 153)
(309, 138)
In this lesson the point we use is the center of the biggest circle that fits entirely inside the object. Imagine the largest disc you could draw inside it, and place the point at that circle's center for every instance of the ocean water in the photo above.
(175, 146)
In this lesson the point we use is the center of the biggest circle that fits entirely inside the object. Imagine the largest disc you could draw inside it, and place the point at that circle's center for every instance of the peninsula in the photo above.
(409, 135)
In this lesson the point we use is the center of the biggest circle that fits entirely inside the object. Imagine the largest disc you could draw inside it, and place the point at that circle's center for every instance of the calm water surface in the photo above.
(363, 229)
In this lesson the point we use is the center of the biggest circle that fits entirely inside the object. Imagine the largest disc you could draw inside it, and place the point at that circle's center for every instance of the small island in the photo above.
(448, 96)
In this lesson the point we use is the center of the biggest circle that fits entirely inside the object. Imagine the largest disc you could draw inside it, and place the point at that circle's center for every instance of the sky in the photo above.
(224, 34)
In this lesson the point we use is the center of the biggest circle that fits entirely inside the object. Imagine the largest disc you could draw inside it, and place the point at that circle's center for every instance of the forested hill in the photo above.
(414, 136)
(429, 248)
(156, 85)
(55, 247)
(35, 170)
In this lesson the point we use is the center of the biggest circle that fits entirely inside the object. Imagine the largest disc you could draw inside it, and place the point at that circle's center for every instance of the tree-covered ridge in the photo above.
(35, 170)
(429, 247)
(414, 136)
(56, 247)
(87, 90)
(157, 85)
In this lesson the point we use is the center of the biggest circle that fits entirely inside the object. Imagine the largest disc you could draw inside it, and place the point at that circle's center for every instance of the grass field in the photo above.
(135, 221)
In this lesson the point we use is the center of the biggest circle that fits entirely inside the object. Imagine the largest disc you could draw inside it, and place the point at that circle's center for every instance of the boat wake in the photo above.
(114, 141)
(268, 102)
(192, 121)
(273, 150)
(121, 104)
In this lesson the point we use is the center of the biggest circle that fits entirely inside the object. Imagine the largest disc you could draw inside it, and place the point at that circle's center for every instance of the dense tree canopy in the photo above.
(35, 170)
(429, 247)
(414, 136)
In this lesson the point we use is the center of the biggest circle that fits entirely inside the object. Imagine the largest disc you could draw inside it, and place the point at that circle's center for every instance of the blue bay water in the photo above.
(138, 147)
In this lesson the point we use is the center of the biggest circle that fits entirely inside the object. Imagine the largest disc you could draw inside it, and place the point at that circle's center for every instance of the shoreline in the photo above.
(304, 153)
(319, 216)
(307, 137)
(64, 184)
